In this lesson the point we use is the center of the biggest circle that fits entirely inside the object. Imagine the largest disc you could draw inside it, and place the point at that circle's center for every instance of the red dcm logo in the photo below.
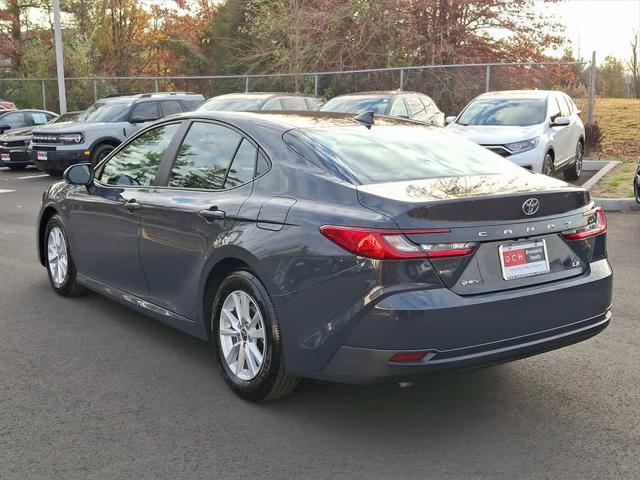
(514, 257)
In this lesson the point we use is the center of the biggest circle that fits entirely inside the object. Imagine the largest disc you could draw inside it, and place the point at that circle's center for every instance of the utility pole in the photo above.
(62, 91)
(592, 89)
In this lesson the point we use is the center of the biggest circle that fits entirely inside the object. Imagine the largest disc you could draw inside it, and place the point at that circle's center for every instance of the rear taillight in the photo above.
(596, 225)
(392, 244)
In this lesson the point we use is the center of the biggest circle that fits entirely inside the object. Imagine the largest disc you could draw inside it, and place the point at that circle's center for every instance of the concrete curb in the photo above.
(617, 204)
(603, 167)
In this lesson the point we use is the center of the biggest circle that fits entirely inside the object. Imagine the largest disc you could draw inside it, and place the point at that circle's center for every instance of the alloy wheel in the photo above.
(58, 256)
(579, 154)
(547, 165)
(242, 335)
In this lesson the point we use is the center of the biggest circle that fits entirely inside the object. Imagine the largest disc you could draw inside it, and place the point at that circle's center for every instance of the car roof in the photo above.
(36, 110)
(264, 95)
(518, 94)
(381, 93)
(287, 120)
(152, 96)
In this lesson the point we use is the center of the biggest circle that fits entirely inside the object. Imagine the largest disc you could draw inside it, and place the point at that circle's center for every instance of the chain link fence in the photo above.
(450, 86)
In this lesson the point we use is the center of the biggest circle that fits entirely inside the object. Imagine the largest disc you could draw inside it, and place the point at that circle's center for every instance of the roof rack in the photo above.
(147, 95)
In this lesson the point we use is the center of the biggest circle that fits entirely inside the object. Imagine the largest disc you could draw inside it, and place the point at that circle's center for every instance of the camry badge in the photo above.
(531, 206)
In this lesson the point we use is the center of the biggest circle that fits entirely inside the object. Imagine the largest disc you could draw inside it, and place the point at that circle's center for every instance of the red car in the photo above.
(6, 105)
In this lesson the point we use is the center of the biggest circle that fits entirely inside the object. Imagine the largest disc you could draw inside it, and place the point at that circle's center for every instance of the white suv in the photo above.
(536, 129)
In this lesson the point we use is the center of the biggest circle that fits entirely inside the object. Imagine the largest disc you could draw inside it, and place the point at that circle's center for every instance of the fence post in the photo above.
(401, 80)
(95, 90)
(157, 85)
(487, 79)
(315, 84)
(246, 84)
(592, 90)
(44, 96)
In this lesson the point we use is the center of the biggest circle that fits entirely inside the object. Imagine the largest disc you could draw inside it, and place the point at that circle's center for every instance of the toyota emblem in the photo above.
(531, 206)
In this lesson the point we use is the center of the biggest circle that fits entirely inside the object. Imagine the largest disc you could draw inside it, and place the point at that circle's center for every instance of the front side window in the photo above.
(204, 157)
(357, 104)
(14, 120)
(235, 103)
(146, 111)
(564, 108)
(554, 108)
(294, 103)
(137, 163)
(169, 107)
(504, 111)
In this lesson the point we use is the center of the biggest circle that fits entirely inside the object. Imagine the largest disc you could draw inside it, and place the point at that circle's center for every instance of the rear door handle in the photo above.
(132, 206)
(212, 214)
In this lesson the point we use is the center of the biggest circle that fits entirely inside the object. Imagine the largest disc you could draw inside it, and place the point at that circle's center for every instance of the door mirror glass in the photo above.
(449, 119)
(79, 174)
(560, 122)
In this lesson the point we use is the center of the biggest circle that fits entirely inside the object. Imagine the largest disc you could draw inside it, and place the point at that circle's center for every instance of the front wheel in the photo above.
(59, 262)
(547, 164)
(247, 339)
(100, 153)
(576, 170)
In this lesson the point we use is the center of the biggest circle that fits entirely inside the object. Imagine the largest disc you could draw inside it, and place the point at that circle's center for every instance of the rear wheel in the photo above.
(547, 164)
(576, 169)
(247, 340)
(59, 262)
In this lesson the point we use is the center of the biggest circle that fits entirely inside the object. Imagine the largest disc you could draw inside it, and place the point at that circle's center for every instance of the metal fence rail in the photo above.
(478, 78)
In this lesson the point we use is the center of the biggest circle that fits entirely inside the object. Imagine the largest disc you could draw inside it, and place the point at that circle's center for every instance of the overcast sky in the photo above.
(605, 26)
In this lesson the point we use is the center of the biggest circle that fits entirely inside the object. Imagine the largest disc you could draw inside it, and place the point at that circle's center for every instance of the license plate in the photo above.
(5, 157)
(41, 155)
(524, 259)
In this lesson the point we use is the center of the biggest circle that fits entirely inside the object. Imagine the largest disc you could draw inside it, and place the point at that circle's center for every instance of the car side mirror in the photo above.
(137, 119)
(560, 122)
(449, 119)
(79, 174)
(4, 127)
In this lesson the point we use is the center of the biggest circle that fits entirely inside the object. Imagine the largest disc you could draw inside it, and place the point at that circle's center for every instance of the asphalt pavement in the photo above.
(92, 390)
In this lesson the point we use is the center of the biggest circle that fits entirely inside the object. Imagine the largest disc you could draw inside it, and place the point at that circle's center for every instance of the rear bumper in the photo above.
(360, 365)
(458, 331)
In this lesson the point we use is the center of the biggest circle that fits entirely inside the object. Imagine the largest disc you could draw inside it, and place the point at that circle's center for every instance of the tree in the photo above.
(634, 65)
(611, 78)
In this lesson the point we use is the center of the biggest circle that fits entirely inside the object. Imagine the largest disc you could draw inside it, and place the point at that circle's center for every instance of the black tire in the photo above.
(54, 173)
(99, 153)
(636, 188)
(575, 171)
(272, 381)
(17, 167)
(69, 287)
(548, 164)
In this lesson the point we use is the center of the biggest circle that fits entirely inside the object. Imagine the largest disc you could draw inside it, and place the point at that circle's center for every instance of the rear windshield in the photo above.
(357, 104)
(231, 104)
(504, 111)
(394, 153)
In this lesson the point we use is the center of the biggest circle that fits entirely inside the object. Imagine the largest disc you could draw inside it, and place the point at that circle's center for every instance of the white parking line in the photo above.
(2, 190)
(32, 176)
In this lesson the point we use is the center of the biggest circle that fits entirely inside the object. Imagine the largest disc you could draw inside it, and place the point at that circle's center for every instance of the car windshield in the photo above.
(66, 117)
(504, 111)
(105, 112)
(231, 104)
(357, 104)
(394, 153)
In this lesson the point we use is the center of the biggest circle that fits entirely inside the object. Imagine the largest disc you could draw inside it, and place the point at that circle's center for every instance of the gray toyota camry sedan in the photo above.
(319, 245)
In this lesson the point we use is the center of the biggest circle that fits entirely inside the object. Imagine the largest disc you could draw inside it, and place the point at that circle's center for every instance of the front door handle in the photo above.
(212, 214)
(132, 206)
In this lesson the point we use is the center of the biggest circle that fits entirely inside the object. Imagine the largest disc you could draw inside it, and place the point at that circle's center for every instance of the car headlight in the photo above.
(518, 147)
(71, 138)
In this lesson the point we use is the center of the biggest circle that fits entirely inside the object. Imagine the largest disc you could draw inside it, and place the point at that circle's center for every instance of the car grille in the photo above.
(500, 150)
(46, 138)
(14, 143)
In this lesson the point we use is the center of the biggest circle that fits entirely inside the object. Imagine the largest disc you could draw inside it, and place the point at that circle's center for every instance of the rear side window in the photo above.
(416, 109)
(204, 157)
(293, 103)
(314, 103)
(40, 118)
(243, 166)
(394, 153)
(399, 108)
(169, 107)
